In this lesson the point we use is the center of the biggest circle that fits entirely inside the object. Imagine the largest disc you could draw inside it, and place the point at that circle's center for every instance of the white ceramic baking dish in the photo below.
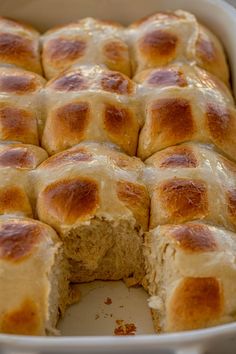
(89, 325)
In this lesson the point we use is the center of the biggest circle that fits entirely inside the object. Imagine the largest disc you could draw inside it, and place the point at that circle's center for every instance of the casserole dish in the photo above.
(129, 305)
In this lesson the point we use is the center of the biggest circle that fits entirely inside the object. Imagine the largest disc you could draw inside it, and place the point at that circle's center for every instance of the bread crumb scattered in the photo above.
(124, 329)
(108, 301)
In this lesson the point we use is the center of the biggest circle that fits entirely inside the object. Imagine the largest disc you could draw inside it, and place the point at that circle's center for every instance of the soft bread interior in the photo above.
(105, 250)
(100, 249)
(160, 272)
(59, 294)
(153, 280)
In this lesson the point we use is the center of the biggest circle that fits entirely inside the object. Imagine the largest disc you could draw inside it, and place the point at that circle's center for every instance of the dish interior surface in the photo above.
(104, 307)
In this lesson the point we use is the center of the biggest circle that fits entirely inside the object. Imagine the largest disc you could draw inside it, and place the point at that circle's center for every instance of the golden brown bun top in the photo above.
(19, 45)
(189, 182)
(189, 164)
(179, 156)
(180, 75)
(177, 36)
(21, 105)
(198, 271)
(21, 156)
(85, 41)
(19, 81)
(90, 152)
(28, 249)
(92, 77)
(20, 238)
(198, 302)
(192, 155)
(91, 103)
(191, 237)
(185, 103)
(95, 180)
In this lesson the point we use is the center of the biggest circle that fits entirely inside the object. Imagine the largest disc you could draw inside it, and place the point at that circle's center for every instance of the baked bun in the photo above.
(190, 276)
(16, 160)
(183, 103)
(21, 113)
(93, 196)
(163, 38)
(189, 182)
(91, 103)
(19, 45)
(87, 41)
(34, 287)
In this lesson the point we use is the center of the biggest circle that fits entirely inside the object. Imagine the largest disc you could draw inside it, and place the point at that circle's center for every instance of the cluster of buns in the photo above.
(76, 203)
